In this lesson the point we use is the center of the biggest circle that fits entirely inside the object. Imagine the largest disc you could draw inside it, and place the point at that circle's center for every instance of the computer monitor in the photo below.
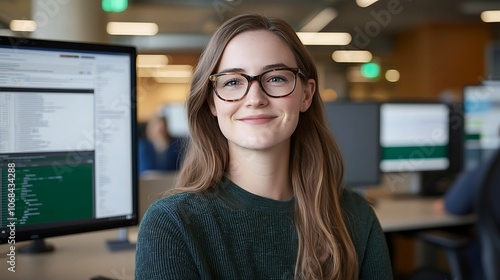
(414, 137)
(355, 126)
(67, 138)
(422, 146)
(482, 122)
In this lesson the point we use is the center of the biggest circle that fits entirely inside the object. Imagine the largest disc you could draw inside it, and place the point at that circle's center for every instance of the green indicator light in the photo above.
(114, 6)
(370, 70)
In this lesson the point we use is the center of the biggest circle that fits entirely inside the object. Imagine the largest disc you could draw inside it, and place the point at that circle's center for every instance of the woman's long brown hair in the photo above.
(325, 249)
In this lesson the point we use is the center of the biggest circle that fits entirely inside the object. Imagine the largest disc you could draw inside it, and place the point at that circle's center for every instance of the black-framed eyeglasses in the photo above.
(234, 86)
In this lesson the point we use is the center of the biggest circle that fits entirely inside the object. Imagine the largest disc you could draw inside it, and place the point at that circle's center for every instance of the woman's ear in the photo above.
(308, 93)
(213, 110)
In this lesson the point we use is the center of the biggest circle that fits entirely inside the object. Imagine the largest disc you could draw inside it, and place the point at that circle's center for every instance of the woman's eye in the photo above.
(277, 79)
(232, 83)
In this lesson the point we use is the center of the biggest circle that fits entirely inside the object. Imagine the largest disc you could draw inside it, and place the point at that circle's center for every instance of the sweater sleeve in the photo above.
(162, 252)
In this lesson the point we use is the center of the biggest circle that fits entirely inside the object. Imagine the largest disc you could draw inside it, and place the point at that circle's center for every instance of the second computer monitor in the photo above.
(414, 137)
(355, 126)
(482, 122)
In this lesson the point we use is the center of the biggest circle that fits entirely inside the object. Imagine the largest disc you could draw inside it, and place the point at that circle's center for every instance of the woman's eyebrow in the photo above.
(267, 67)
(274, 66)
(231, 70)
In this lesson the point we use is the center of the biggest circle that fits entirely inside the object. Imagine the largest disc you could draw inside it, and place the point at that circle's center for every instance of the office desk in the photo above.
(78, 256)
(83, 256)
(407, 214)
(397, 214)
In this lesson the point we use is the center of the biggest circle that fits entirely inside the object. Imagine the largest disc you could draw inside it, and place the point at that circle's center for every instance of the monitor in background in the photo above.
(414, 137)
(424, 141)
(67, 139)
(355, 126)
(482, 122)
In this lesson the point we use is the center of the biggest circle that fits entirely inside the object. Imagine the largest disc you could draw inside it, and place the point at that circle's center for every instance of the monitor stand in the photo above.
(437, 183)
(122, 243)
(403, 183)
(36, 246)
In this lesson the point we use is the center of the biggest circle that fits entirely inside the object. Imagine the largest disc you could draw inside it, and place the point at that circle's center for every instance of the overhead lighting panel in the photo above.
(320, 20)
(353, 56)
(132, 28)
(22, 25)
(365, 3)
(151, 60)
(325, 38)
(490, 16)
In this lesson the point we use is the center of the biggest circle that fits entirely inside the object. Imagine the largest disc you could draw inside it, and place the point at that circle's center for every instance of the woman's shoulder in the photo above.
(357, 210)
(366, 232)
(352, 201)
(179, 205)
(182, 200)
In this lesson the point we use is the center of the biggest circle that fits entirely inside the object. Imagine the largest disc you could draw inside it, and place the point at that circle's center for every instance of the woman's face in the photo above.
(260, 122)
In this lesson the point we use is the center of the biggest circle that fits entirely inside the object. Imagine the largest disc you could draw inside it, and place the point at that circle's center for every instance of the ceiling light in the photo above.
(132, 28)
(22, 25)
(325, 38)
(352, 56)
(320, 20)
(392, 75)
(114, 6)
(365, 3)
(370, 70)
(490, 16)
(151, 60)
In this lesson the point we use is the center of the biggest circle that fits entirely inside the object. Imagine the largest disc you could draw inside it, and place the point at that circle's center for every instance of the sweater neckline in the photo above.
(241, 199)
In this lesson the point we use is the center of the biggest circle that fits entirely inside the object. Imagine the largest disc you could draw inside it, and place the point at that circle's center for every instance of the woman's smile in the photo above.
(257, 119)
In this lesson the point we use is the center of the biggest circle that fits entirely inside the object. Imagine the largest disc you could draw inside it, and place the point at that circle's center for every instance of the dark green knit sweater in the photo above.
(233, 234)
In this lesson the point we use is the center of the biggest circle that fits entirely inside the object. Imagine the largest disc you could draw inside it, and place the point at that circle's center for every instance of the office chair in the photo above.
(487, 209)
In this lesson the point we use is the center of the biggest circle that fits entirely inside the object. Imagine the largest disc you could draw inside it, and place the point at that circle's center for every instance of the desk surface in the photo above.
(413, 213)
(78, 256)
(83, 256)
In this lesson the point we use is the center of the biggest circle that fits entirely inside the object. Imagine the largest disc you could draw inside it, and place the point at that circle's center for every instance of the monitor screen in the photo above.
(414, 137)
(67, 145)
(355, 126)
(482, 122)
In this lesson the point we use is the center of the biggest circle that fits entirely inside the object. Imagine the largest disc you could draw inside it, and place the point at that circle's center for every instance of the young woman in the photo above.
(260, 192)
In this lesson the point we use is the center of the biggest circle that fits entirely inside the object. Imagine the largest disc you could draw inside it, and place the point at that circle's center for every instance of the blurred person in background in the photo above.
(459, 200)
(159, 151)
